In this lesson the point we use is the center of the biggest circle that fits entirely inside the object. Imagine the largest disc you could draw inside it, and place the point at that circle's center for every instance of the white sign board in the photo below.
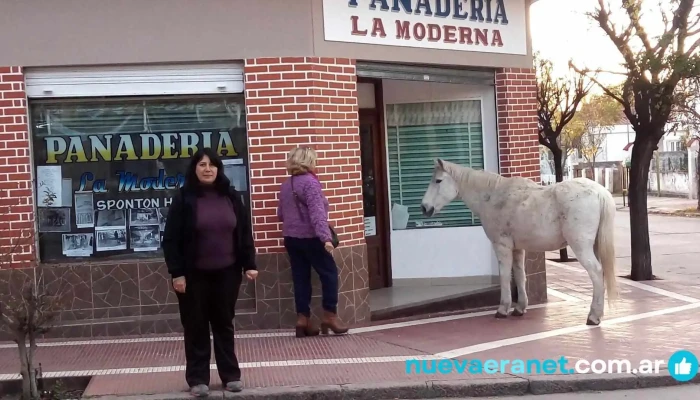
(484, 26)
(370, 226)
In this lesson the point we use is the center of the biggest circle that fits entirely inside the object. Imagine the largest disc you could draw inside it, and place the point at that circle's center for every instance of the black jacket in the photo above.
(180, 236)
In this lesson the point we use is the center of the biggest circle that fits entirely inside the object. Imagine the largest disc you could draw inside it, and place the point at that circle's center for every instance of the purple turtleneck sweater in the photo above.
(216, 224)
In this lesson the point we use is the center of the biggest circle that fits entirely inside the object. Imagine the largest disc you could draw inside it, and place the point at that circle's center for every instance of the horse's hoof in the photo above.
(591, 322)
(501, 316)
(517, 313)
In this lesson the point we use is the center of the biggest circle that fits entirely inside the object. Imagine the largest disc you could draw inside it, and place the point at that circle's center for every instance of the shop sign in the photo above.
(486, 26)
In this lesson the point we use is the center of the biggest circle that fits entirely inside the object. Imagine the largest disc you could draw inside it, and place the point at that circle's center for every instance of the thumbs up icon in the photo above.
(683, 367)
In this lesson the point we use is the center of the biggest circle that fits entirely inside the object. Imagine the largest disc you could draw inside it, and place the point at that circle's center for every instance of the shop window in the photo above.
(107, 170)
(419, 133)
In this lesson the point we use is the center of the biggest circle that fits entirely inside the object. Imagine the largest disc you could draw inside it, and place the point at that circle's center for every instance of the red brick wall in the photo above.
(16, 202)
(304, 101)
(518, 144)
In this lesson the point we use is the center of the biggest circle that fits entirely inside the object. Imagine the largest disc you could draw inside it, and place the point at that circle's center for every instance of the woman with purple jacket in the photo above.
(303, 211)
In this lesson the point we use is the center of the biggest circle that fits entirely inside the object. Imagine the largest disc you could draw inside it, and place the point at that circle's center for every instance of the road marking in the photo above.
(446, 318)
(562, 331)
(262, 364)
(388, 359)
(638, 285)
(287, 333)
(563, 296)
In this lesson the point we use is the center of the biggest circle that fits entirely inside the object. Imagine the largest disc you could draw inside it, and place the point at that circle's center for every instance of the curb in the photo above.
(666, 213)
(435, 389)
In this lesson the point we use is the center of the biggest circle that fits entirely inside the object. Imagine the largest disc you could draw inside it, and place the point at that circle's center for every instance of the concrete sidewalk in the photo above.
(371, 361)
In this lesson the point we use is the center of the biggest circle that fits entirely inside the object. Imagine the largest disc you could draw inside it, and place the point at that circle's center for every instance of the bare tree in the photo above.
(29, 305)
(557, 99)
(648, 95)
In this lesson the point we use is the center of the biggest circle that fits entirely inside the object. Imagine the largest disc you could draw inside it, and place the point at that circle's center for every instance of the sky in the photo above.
(561, 31)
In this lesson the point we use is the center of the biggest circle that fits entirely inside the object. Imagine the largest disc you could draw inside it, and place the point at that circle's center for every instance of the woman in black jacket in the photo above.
(208, 245)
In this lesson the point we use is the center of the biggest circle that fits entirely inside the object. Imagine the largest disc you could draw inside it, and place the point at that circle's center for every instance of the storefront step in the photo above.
(402, 302)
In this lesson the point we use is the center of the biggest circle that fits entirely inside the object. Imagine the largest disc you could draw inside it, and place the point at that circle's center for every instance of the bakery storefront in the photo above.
(98, 120)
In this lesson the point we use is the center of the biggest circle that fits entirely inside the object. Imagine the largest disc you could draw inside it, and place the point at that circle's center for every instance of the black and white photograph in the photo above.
(54, 220)
(111, 239)
(111, 219)
(163, 216)
(145, 238)
(143, 216)
(78, 244)
(84, 211)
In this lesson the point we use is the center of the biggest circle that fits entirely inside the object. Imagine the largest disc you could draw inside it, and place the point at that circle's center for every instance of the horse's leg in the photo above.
(504, 254)
(586, 257)
(520, 279)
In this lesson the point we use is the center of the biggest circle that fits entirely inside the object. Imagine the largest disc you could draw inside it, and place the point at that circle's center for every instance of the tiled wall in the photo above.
(136, 298)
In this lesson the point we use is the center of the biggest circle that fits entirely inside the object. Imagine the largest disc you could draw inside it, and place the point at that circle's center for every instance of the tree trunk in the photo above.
(32, 371)
(697, 176)
(24, 367)
(30, 390)
(642, 154)
(559, 174)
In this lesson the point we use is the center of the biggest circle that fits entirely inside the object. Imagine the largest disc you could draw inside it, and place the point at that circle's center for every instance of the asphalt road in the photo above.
(684, 392)
(675, 246)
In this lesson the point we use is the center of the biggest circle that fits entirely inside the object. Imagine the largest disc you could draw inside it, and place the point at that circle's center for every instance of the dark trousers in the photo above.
(303, 255)
(210, 298)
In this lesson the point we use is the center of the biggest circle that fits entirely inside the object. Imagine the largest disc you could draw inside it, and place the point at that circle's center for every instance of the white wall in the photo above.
(672, 182)
(445, 252)
(613, 147)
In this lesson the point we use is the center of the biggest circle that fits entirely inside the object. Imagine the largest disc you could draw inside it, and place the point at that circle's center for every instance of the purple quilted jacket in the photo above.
(314, 220)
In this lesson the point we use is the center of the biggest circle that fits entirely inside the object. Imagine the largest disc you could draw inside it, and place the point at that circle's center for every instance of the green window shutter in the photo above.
(417, 134)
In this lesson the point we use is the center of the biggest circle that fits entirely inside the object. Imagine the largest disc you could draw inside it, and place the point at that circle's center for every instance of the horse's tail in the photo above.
(605, 244)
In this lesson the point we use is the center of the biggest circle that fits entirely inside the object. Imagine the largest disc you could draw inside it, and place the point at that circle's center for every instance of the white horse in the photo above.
(518, 215)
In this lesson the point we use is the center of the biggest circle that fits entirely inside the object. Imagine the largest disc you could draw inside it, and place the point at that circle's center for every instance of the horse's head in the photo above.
(441, 190)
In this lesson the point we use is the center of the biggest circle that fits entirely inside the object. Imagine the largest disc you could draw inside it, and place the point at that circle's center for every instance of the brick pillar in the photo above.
(306, 101)
(519, 151)
(16, 201)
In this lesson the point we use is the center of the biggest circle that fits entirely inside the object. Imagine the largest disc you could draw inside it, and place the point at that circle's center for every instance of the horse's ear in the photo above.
(439, 163)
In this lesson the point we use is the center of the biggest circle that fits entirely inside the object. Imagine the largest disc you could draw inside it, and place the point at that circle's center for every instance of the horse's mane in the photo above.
(478, 179)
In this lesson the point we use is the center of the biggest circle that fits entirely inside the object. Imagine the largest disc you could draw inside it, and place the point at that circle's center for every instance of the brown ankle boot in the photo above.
(331, 321)
(305, 327)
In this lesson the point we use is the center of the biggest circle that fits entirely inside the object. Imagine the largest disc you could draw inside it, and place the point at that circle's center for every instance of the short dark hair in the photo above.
(221, 183)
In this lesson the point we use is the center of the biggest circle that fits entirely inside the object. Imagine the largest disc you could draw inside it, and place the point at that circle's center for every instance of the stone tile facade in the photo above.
(101, 300)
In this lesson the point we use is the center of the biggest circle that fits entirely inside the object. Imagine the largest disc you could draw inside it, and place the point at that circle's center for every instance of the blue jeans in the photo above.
(303, 255)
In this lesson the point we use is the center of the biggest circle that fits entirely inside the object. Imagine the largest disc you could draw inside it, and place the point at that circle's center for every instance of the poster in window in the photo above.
(143, 216)
(49, 186)
(111, 239)
(237, 175)
(67, 192)
(108, 219)
(145, 237)
(78, 244)
(54, 219)
(84, 211)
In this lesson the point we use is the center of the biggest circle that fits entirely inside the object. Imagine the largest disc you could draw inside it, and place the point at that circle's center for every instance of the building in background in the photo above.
(100, 108)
